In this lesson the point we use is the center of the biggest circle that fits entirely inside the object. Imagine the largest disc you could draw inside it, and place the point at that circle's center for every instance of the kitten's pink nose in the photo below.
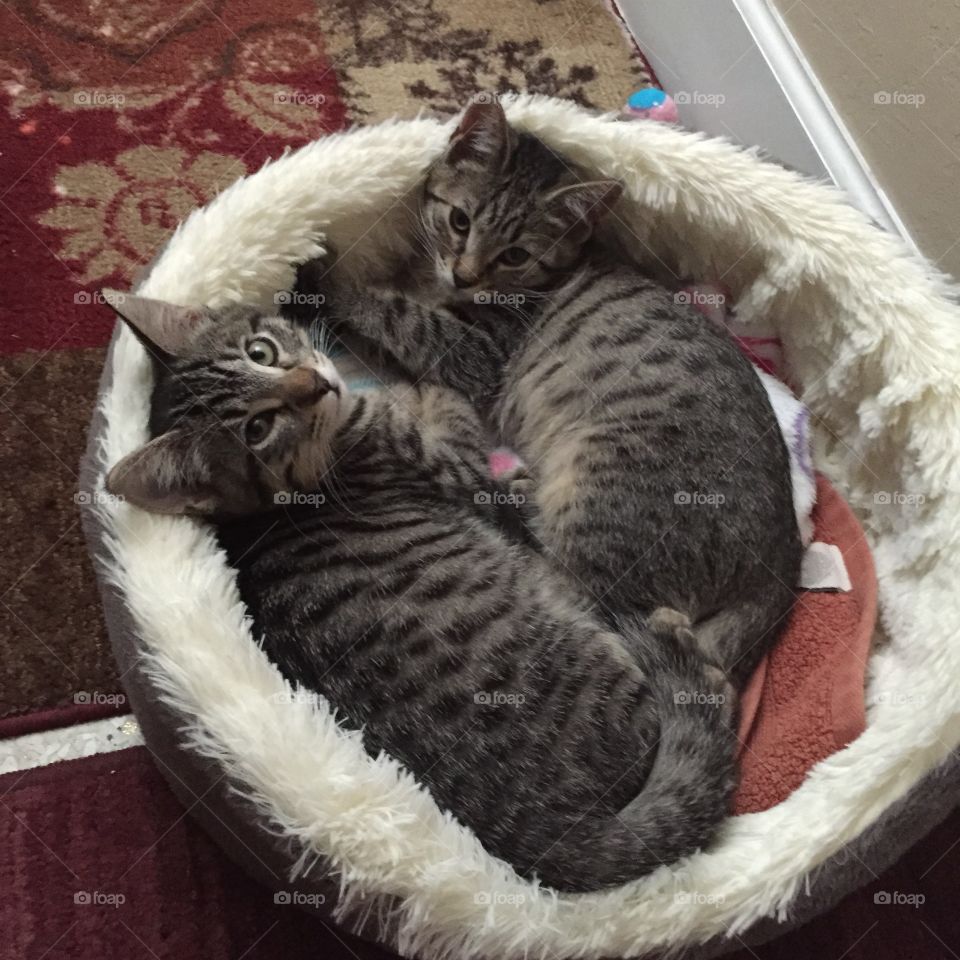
(465, 273)
(303, 386)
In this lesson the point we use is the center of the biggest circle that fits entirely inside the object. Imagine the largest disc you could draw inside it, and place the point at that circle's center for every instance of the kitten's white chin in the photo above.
(452, 293)
(325, 367)
(332, 406)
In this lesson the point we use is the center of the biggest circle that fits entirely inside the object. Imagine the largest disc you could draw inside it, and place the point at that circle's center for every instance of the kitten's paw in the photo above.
(717, 685)
(669, 625)
(517, 473)
(667, 622)
(522, 488)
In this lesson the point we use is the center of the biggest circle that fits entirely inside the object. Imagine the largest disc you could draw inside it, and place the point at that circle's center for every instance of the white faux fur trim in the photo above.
(873, 338)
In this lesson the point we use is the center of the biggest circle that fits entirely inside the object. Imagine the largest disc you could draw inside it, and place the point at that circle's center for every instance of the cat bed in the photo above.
(871, 335)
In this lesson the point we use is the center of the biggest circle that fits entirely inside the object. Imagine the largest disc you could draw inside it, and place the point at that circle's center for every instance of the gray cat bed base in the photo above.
(251, 842)
(386, 863)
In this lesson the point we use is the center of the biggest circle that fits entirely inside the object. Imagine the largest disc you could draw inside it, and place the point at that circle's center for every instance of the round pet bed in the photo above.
(871, 335)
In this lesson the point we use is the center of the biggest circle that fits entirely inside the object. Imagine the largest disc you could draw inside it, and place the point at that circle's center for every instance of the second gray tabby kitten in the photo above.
(662, 477)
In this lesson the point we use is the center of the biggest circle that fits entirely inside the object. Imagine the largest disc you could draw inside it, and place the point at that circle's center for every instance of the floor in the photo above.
(892, 71)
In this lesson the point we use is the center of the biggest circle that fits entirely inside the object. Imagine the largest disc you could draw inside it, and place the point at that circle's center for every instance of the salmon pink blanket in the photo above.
(806, 699)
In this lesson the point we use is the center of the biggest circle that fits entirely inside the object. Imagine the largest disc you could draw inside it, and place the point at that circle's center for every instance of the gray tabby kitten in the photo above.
(380, 584)
(662, 477)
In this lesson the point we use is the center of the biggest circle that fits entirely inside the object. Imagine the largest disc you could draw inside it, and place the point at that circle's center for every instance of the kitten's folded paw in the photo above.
(665, 621)
(670, 625)
(518, 474)
(522, 489)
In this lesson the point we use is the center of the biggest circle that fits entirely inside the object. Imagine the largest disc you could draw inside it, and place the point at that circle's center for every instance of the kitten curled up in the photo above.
(375, 575)
(660, 474)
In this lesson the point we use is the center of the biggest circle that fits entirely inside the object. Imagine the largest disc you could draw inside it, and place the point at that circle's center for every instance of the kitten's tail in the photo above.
(688, 793)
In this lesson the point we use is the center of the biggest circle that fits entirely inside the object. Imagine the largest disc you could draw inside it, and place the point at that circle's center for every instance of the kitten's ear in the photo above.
(167, 475)
(165, 329)
(587, 203)
(483, 136)
(313, 275)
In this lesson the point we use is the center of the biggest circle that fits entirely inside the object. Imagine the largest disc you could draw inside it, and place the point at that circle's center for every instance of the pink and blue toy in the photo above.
(652, 103)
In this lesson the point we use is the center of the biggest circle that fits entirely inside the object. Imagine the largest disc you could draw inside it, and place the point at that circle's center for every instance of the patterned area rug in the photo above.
(117, 120)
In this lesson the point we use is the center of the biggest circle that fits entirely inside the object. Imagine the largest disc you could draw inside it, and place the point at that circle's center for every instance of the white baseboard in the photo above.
(737, 71)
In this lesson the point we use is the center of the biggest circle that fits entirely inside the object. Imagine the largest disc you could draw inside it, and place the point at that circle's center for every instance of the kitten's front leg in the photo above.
(458, 446)
(438, 344)
(432, 430)
(520, 487)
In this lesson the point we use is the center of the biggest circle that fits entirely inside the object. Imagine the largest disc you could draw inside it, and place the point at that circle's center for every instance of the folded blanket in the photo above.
(806, 699)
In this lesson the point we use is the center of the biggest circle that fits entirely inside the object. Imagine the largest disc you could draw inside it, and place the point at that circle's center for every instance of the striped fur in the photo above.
(661, 474)
(385, 583)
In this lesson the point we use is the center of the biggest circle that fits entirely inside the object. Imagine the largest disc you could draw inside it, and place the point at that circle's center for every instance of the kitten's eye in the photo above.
(459, 220)
(258, 428)
(514, 256)
(264, 351)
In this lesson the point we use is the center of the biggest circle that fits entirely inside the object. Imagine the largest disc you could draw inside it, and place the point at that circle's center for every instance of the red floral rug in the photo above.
(118, 119)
